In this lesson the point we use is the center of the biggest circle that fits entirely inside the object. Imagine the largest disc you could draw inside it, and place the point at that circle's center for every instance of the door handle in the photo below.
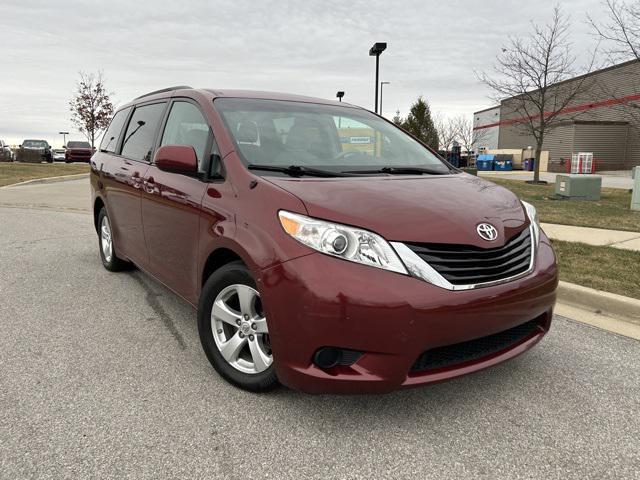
(149, 184)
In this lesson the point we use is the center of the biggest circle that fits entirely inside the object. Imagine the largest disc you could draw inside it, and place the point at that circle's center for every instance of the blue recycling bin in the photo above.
(485, 162)
(503, 165)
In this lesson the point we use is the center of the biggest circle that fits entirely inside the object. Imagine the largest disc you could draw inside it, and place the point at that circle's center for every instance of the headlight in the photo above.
(533, 218)
(348, 243)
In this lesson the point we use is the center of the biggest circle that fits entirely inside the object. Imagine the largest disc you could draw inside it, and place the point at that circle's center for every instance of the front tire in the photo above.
(105, 240)
(233, 329)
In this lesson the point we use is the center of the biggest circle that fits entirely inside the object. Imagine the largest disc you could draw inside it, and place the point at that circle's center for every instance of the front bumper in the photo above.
(317, 300)
(78, 158)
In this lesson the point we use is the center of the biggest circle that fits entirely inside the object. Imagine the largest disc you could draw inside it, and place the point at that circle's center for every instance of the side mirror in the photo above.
(177, 159)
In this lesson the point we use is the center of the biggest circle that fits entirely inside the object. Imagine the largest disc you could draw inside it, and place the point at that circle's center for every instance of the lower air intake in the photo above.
(450, 355)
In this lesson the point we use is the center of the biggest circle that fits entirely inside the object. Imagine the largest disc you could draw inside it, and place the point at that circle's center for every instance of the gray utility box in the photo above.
(579, 186)
(635, 197)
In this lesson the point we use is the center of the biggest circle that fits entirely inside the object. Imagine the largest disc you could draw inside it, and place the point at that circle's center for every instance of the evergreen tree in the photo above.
(420, 124)
(397, 119)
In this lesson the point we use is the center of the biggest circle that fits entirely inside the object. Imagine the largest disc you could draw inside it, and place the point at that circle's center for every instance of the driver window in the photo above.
(187, 126)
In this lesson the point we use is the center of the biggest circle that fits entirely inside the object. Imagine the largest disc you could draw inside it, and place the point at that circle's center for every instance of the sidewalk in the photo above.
(593, 236)
(621, 180)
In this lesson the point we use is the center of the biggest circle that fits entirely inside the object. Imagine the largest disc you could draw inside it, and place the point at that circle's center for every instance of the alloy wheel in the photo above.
(240, 329)
(105, 239)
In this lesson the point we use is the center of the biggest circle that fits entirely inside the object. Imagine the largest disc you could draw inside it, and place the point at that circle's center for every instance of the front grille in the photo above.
(450, 355)
(468, 264)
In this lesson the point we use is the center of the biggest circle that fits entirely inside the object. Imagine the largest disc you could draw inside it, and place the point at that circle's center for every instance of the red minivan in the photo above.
(323, 247)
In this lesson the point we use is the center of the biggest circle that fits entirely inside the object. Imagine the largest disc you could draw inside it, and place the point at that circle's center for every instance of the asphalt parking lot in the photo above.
(102, 376)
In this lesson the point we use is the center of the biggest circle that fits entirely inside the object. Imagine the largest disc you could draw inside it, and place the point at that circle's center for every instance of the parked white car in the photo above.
(59, 155)
(6, 154)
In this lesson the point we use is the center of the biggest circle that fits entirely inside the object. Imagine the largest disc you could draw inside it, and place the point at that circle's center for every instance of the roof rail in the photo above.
(162, 90)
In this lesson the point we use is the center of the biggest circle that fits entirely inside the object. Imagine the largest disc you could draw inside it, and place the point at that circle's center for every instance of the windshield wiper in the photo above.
(298, 170)
(403, 171)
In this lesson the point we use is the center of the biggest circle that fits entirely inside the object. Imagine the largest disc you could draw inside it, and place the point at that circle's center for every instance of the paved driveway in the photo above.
(102, 376)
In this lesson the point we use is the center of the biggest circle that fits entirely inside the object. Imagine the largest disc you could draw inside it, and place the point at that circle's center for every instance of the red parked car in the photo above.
(324, 248)
(78, 152)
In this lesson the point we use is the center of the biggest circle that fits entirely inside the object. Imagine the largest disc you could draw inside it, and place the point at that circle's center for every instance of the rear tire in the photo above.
(237, 326)
(110, 260)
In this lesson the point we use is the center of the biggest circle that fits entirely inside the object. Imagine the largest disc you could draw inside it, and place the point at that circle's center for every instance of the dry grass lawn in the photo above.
(612, 211)
(11, 173)
(603, 268)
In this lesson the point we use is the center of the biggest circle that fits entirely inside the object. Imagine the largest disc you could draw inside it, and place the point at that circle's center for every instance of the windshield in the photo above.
(34, 144)
(78, 145)
(341, 139)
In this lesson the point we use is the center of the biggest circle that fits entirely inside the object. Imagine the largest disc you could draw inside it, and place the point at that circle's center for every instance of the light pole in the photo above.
(340, 94)
(375, 51)
(64, 137)
(381, 84)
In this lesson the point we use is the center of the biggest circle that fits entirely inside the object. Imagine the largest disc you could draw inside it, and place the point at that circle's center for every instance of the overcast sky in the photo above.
(308, 47)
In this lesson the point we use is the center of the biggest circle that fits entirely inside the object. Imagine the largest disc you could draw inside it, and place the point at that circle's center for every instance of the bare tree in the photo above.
(528, 73)
(91, 107)
(468, 136)
(446, 128)
(619, 34)
(621, 29)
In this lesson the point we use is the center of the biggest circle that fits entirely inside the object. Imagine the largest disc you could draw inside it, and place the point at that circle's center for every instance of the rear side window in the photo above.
(141, 132)
(187, 126)
(112, 136)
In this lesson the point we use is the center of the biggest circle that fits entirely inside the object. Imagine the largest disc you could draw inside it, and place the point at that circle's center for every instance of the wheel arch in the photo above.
(97, 206)
(218, 258)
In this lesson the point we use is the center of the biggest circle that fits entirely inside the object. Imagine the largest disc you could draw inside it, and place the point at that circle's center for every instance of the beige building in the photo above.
(604, 119)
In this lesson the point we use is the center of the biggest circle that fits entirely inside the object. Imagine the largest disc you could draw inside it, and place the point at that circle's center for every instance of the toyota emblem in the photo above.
(487, 232)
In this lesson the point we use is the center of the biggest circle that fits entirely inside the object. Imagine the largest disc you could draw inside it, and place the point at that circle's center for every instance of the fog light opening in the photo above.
(327, 357)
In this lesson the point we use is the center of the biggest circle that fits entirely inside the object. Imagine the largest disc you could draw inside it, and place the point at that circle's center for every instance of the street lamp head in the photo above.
(377, 49)
(385, 83)
(340, 95)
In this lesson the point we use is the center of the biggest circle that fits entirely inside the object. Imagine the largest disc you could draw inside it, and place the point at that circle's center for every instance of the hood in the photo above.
(427, 209)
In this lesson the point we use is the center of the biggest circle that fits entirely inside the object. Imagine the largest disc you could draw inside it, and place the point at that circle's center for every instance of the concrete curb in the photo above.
(616, 306)
(61, 178)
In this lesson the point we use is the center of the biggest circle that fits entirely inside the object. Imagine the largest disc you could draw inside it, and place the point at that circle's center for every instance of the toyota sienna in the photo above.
(324, 248)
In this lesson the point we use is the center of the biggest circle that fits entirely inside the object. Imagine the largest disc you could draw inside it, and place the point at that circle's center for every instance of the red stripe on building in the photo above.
(578, 108)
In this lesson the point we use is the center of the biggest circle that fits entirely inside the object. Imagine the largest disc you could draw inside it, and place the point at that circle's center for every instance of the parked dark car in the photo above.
(35, 151)
(78, 152)
(6, 154)
(324, 248)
